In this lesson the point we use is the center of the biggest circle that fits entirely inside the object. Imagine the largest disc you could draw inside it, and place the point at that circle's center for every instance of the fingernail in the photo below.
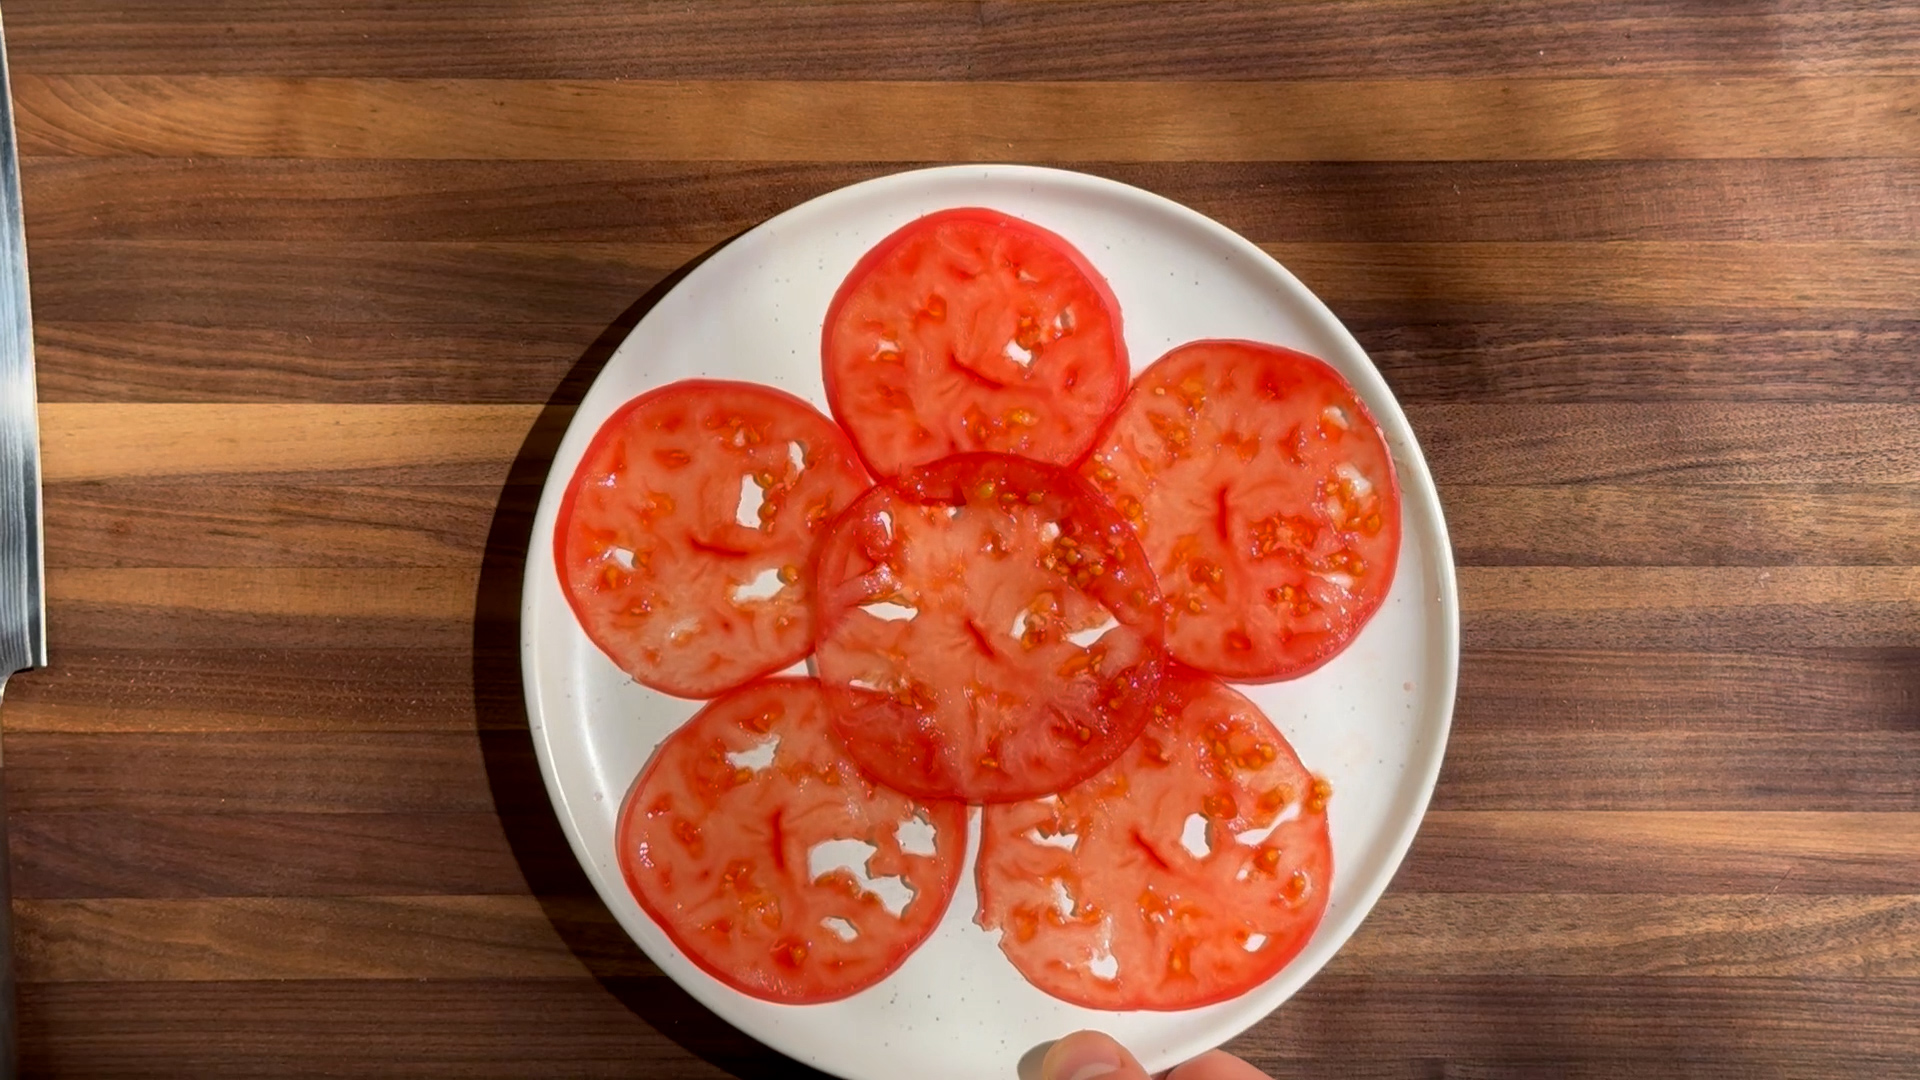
(1082, 1057)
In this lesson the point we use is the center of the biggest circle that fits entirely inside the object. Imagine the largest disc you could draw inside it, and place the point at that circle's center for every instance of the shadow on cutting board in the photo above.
(546, 861)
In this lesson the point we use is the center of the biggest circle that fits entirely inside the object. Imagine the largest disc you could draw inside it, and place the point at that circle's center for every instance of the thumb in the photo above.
(1089, 1055)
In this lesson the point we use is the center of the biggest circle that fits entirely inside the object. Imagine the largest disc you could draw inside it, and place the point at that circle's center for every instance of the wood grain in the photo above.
(1138, 40)
(318, 287)
(1831, 693)
(82, 854)
(1529, 355)
(1768, 935)
(286, 520)
(454, 937)
(1376, 1026)
(1813, 200)
(69, 855)
(1767, 852)
(1465, 443)
(658, 120)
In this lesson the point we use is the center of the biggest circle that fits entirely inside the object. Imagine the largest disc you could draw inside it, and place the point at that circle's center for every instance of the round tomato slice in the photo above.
(1187, 872)
(1266, 498)
(989, 630)
(971, 330)
(772, 862)
(685, 535)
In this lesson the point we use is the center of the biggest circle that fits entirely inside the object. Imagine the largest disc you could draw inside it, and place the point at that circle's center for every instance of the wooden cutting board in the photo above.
(317, 283)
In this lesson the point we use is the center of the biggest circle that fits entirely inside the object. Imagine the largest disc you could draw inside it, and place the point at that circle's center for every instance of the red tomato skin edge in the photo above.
(564, 523)
(963, 213)
(1393, 486)
(633, 889)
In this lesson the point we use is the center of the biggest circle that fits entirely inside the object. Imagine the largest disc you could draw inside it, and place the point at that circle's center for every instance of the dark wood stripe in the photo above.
(305, 361)
(705, 202)
(946, 40)
(246, 283)
(286, 522)
(1579, 357)
(272, 608)
(199, 940)
(250, 284)
(274, 773)
(1382, 1026)
(645, 1028)
(187, 523)
(1679, 443)
(182, 116)
(1719, 525)
(371, 690)
(1558, 766)
(1520, 1025)
(1574, 357)
(1558, 763)
(155, 856)
(75, 855)
(242, 688)
(1714, 698)
(1560, 851)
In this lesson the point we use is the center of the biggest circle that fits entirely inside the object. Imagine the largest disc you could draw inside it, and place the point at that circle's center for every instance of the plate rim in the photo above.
(1423, 771)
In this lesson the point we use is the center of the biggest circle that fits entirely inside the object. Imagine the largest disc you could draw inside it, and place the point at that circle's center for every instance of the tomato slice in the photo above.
(1187, 872)
(971, 330)
(656, 563)
(1266, 498)
(772, 863)
(989, 630)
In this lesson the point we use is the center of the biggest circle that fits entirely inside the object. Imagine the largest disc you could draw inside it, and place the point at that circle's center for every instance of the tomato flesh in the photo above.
(1112, 897)
(1265, 497)
(652, 554)
(969, 330)
(988, 630)
(721, 838)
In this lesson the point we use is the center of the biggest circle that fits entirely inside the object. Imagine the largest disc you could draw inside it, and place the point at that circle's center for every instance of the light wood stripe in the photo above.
(1618, 277)
(1573, 935)
(1774, 935)
(414, 937)
(192, 116)
(97, 442)
(423, 593)
(1572, 590)
(1639, 851)
(1495, 445)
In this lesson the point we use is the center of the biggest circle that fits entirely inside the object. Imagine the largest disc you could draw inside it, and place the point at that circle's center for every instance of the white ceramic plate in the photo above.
(1374, 721)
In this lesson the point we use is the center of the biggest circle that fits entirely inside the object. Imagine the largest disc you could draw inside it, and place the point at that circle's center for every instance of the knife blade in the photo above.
(23, 613)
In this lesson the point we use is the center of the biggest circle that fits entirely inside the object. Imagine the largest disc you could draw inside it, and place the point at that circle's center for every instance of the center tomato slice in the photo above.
(969, 330)
(989, 630)
(772, 863)
(1187, 872)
